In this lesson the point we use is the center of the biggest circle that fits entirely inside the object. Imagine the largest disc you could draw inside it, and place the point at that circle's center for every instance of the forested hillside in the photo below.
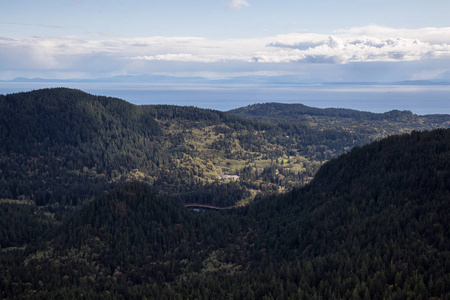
(61, 147)
(372, 125)
(64, 146)
(297, 111)
(373, 224)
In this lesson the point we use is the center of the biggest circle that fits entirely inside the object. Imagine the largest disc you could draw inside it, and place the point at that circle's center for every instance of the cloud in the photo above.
(432, 35)
(282, 53)
(238, 4)
(367, 44)
(180, 57)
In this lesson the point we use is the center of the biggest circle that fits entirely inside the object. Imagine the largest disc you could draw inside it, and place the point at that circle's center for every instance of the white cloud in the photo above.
(102, 57)
(432, 35)
(365, 49)
(238, 4)
(365, 44)
(181, 57)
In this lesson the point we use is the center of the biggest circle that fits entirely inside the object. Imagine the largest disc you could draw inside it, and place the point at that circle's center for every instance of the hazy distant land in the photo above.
(420, 97)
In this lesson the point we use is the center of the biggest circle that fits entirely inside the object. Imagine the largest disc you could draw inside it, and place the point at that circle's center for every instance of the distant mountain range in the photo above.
(256, 79)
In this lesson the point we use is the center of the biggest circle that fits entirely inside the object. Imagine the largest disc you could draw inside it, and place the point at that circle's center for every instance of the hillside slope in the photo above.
(63, 147)
(372, 125)
(372, 224)
(374, 221)
(293, 111)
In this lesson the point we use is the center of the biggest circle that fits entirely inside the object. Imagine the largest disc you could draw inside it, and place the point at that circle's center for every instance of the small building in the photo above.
(224, 176)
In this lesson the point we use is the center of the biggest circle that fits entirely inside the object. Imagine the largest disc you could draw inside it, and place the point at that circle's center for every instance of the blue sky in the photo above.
(324, 40)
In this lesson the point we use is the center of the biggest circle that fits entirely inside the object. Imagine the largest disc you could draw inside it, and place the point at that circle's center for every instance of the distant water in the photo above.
(429, 99)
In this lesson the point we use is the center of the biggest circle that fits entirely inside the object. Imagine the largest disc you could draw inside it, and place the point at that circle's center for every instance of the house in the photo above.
(223, 176)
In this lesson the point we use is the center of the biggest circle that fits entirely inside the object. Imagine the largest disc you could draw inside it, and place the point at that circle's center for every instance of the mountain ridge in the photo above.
(65, 146)
(293, 110)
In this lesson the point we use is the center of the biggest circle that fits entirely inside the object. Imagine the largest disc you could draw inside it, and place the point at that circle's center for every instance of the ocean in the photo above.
(420, 99)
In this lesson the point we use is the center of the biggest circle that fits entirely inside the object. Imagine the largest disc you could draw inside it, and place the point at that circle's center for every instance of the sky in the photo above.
(314, 41)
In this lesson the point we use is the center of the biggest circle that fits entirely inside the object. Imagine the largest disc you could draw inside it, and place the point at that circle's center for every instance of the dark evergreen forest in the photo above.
(63, 147)
(92, 203)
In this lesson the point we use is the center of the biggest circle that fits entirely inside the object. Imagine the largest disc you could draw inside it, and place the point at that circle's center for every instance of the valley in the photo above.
(291, 202)
(63, 146)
